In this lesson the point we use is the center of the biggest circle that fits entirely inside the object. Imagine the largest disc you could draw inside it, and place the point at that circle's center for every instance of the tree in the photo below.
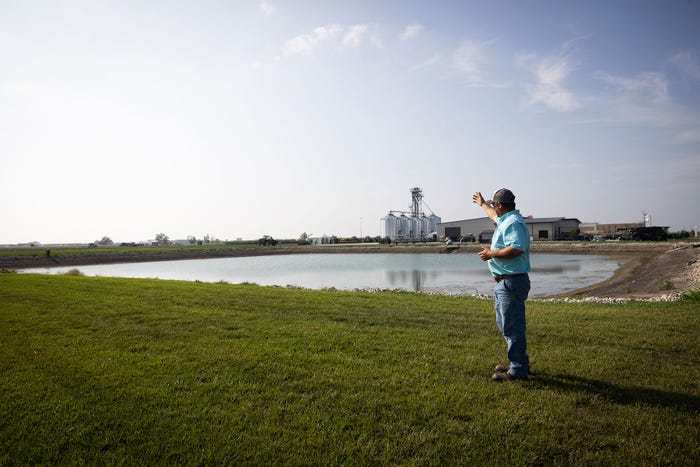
(105, 241)
(162, 239)
(267, 240)
(192, 239)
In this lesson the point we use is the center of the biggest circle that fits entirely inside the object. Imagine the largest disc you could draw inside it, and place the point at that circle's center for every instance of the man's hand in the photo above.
(506, 253)
(485, 254)
(488, 209)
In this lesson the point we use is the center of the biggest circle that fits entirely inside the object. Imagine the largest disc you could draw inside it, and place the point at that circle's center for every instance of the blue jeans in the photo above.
(510, 294)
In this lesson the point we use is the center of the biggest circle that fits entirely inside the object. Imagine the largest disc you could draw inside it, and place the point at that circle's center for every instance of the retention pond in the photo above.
(434, 273)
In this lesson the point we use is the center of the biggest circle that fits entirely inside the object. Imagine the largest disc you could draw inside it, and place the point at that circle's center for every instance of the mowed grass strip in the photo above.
(56, 251)
(123, 371)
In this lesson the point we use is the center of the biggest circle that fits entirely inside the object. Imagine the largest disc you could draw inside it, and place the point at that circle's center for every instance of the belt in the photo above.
(508, 276)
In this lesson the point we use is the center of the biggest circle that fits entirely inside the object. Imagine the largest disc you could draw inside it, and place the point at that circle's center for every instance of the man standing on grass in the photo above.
(509, 262)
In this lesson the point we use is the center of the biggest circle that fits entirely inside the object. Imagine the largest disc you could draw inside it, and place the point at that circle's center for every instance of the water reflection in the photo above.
(401, 279)
(560, 269)
(419, 280)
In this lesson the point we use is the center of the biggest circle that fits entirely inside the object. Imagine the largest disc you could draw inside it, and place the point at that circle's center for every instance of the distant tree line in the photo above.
(681, 234)
(306, 239)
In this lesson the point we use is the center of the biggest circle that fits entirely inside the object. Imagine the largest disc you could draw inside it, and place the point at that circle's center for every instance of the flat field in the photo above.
(108, 371)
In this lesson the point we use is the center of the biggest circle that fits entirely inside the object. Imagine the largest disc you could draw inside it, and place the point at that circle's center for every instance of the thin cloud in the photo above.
(354, 34)
(349, 37)
(412, 30)
(686, 63)
(267, 8)
(644, 99)
(305, 44)
(431, 61)
(470, 59)
(640, 99)
(649, 86)
(376, 41)
(550, 73)
(357, 34)
(467, 58)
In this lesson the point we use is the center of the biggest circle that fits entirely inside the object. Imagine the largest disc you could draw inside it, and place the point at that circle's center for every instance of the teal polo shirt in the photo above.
(510, 231)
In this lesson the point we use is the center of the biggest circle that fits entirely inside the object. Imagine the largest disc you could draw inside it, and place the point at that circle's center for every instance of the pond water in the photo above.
(446, 274)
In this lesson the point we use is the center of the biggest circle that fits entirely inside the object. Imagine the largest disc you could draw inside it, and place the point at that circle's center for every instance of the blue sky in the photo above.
(243, 118)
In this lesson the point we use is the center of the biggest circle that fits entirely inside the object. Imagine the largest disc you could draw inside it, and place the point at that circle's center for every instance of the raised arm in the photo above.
(489, 210)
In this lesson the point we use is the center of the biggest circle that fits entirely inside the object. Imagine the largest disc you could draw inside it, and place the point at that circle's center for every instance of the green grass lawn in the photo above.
(122, 371)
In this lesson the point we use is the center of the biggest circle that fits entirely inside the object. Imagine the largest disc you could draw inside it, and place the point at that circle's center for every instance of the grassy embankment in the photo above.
(115, 249)
(111, 371)
(27, 257)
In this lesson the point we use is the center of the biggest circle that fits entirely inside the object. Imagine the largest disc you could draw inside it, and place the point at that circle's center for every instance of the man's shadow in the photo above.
(617, 394)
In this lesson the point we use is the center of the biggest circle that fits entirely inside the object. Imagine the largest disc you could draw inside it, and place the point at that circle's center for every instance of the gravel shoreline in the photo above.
(658, 271)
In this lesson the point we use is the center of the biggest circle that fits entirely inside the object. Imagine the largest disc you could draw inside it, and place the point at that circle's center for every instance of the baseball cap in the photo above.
(504, 195)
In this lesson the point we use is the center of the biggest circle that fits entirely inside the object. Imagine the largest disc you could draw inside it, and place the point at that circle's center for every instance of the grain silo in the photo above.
(390, 226)
(433, 222)
(404, 227)
(424, 226)
(410, 226)
(415, 232)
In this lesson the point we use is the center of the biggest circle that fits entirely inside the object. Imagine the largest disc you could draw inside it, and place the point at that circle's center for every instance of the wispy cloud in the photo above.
(640, 99)
(550, 73)
(470, 60)
(354, 35)
(430, 61)
(267, 8)
(411, 31)
(644, 99)
(305, 44)
(346, 37)
(687, 64)
(650, 86)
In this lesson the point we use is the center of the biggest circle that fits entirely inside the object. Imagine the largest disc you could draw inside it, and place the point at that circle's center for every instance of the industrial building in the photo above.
(594, 228)
(471, 229)
(413, 225)
(481, 229)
